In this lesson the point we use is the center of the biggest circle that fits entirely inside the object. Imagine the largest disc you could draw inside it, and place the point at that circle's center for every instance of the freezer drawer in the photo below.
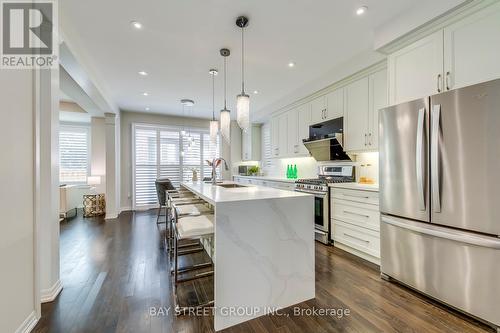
(458, 268)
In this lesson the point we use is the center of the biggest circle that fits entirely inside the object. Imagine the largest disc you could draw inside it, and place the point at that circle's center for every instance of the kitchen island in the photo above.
(264, 249)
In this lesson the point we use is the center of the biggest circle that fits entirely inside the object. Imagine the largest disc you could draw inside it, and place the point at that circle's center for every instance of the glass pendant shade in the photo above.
(214, 129)
(225, 124)
(243, 111)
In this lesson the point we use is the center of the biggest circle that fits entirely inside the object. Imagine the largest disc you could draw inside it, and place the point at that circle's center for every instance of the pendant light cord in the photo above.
(225, 83)
(242, 62)
(213, 96)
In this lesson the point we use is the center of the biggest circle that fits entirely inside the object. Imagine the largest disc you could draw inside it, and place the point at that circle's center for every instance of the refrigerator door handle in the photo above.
(435, 180)
(419, 158)
(445, 233)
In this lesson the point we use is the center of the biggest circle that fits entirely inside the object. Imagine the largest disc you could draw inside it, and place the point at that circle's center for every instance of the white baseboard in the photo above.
(110, 216)
(28, 324)
(48, 295)
(358, 253)
(125, 209)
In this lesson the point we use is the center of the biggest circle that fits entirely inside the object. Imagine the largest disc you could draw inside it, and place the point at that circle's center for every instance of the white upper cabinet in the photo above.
(463, 53)
(417, 70)
(293, 130)
(378, 100)
(283, 135)
(472, 49)
(334, 104)
(304, 119)
(363, 100)
(318, 110)
(298, 129)
(275, 136)
(356, 119)
(251, 144)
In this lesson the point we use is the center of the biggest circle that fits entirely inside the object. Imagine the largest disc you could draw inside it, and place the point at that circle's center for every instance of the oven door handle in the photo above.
(322, 194)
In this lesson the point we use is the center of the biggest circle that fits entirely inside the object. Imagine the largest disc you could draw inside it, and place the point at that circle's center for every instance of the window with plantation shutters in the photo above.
(146, 169)
(170, 156)
(157, 153)
(74, 154)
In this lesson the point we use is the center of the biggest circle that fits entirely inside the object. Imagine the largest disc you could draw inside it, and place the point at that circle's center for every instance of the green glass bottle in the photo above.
(288, 171)
(295, 175)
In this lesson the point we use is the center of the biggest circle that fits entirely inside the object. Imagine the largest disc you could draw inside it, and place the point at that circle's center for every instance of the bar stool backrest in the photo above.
(162, 185)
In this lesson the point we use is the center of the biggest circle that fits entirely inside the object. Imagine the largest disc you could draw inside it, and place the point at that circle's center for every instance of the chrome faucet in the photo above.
(214, 167)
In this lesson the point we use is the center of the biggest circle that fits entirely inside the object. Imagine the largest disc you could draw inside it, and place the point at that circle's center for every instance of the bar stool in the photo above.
(177, 197)
(183, 209)
(162, 185)
(190, 227)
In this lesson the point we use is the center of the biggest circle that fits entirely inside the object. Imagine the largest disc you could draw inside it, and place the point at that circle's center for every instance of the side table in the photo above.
(94, 205)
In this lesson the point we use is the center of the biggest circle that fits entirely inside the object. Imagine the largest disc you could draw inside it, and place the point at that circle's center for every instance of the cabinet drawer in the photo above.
(367, 197)
(363, 215)
(361, 239)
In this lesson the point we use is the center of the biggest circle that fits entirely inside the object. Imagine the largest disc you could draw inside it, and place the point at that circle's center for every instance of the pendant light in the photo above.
(186, 103)
(243, 100)
(214, 124)
(225, 114)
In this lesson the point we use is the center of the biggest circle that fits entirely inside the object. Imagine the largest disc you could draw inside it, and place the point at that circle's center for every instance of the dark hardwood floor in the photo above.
(114, 272)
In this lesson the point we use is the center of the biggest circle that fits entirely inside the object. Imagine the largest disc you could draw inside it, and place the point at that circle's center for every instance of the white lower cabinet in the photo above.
(355, 220)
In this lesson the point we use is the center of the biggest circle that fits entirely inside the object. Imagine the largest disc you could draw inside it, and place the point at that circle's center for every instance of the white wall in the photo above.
(17, 283)
(126, 120)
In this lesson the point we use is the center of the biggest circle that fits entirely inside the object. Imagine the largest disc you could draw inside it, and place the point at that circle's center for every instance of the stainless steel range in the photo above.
(327, 174)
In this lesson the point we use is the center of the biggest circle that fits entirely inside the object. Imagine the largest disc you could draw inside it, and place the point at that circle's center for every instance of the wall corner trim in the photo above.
(48, 295)
(28, 324)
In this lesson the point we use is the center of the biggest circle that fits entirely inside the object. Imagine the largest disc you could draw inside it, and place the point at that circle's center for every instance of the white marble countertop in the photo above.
(214, 193)
(356, 186)
(271, 178)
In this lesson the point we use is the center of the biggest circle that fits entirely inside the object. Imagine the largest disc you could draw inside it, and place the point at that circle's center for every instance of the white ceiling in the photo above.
(180, 42)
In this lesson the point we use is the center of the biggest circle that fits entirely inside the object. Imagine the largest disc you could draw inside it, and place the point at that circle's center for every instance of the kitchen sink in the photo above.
(231, 185)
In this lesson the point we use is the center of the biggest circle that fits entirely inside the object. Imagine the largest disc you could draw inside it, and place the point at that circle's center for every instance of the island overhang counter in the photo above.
(264, 249)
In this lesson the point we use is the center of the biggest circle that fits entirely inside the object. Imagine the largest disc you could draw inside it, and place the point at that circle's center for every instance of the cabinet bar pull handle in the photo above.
(448, 80)
(354, 237)
(355, 196)
(358, 214)
(439, 83)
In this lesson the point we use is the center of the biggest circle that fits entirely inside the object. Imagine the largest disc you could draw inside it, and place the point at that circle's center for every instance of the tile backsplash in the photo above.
(366, 165)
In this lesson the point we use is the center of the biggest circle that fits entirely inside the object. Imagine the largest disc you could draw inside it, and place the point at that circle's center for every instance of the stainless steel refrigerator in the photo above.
(440, 197)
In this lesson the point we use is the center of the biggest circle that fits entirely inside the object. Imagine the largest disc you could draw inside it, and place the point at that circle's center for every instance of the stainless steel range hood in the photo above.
(329, 149)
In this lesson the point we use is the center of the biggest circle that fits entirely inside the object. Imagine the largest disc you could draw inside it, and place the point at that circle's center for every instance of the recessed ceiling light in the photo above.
(145, 94)
(291, 64)
(137, 25)
(361, 10)
(187, 102)
(255, 92)
(143, 73)
(147, 109)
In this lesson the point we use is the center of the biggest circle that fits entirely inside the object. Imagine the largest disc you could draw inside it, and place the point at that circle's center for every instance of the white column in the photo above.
(98, 151)
(112, 165)
(50, 285)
